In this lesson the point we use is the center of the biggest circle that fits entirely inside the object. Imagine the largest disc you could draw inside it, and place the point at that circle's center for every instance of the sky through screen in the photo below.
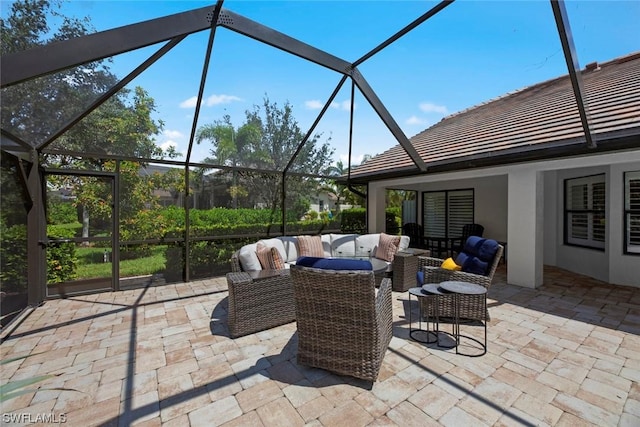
(469, 53)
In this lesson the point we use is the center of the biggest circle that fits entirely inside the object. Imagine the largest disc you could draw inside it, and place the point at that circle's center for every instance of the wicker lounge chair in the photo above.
(343, 326)
(258, 303)
(471, 306)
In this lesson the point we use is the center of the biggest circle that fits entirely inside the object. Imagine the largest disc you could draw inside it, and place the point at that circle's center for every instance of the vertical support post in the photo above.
(115, 238)
(187, 225)
(284, 204)
(525, 228)
(36, 235)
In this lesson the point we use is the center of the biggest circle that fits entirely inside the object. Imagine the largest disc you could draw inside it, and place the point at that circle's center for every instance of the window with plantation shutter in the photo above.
(632, 212)
(434, 214)
(446, 212)
(585, 219)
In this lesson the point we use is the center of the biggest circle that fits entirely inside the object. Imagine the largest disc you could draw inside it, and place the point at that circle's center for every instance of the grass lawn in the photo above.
(91, 263)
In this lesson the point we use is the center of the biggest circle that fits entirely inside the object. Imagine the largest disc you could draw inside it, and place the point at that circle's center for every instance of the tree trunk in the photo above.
(85, 225)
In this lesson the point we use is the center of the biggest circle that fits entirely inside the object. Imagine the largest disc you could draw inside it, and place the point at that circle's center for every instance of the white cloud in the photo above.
(172, 134)
(313, 104)
(210, 101)
(221, 99)
(415, 120)
(346, 105)
(168, 143)
(429, 107)
(355, 160)
(189, 103)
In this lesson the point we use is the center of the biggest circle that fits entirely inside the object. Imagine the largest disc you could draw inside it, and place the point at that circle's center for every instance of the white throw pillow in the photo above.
(248, 257)
(366, 244)
(404, 243)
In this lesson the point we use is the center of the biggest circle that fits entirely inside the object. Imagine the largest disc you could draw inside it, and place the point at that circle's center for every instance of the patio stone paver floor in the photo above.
(566, 354)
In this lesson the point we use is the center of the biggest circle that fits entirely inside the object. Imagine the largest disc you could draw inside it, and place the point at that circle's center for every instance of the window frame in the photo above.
(627, 212)
(589, 211)
(447, 200)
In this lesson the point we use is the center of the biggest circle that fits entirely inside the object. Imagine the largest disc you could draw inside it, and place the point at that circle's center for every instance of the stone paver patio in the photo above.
(566, 354)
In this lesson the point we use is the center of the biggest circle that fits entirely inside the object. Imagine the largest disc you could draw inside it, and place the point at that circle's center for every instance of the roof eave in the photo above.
(613, 141)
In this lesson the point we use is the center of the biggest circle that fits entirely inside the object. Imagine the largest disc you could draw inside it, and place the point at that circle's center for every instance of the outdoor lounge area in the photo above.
(445, 231)
(565, 354)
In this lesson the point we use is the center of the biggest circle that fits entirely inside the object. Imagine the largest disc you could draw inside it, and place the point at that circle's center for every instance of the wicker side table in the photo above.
(405, 267)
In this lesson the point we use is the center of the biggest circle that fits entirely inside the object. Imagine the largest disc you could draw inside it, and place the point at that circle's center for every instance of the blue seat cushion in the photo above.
(420, 278)
(334, 263)
(472, 246)
(477, 255)
(487, 250)
(475, 265)
(472, 264)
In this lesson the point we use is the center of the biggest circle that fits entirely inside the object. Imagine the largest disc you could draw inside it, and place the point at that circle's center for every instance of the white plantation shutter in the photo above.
(632, 211)
(460, 210)
(585, 200)
(435, 214)
(446, 212)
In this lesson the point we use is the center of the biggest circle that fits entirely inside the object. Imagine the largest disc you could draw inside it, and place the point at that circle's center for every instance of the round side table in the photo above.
(474, 298)
(435, 291)
(430, 336)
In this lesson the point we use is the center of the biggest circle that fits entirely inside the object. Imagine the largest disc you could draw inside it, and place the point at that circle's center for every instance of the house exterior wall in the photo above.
(623, 268)
(544, 241)
(490, 201)
(327, 202)
(588, 261)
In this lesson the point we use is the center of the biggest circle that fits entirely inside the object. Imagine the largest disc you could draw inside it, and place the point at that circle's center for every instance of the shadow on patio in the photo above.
(563, 354)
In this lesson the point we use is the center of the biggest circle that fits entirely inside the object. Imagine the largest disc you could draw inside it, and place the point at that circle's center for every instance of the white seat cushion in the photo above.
(326, 245)
(343, 245)
(366, 244)
(291, 247)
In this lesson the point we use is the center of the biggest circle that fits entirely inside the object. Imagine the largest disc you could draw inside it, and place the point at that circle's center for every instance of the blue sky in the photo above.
(469, 53)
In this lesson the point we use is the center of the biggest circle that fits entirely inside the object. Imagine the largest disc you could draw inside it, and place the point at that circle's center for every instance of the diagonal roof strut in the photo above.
(570, 55)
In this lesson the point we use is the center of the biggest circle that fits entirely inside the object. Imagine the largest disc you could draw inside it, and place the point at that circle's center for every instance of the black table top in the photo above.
(463, 288)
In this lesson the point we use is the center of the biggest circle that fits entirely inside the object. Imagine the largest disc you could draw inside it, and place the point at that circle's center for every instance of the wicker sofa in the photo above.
(344, 326)
(250, 311)
(334, 246)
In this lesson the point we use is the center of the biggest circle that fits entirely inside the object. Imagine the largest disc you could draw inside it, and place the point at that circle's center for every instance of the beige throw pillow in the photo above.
(264, 256)
(387, 247)
(269, 258)
(310, 246)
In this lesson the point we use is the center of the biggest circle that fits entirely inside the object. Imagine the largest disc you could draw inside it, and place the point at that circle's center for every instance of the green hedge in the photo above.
(211, 257)
(13, 258)
(61, 258)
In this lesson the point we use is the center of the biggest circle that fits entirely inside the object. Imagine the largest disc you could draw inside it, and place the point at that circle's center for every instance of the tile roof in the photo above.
(525, 123)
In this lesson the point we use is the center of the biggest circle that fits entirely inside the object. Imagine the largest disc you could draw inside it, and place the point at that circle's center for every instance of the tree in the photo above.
(266, 141)
(331, 186)
(35, 110)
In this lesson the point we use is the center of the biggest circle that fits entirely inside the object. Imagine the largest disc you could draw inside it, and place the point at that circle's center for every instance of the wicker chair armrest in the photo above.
(436, 275)
(383, 298)
(384, 314)
(235, 263)
(426, 261)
